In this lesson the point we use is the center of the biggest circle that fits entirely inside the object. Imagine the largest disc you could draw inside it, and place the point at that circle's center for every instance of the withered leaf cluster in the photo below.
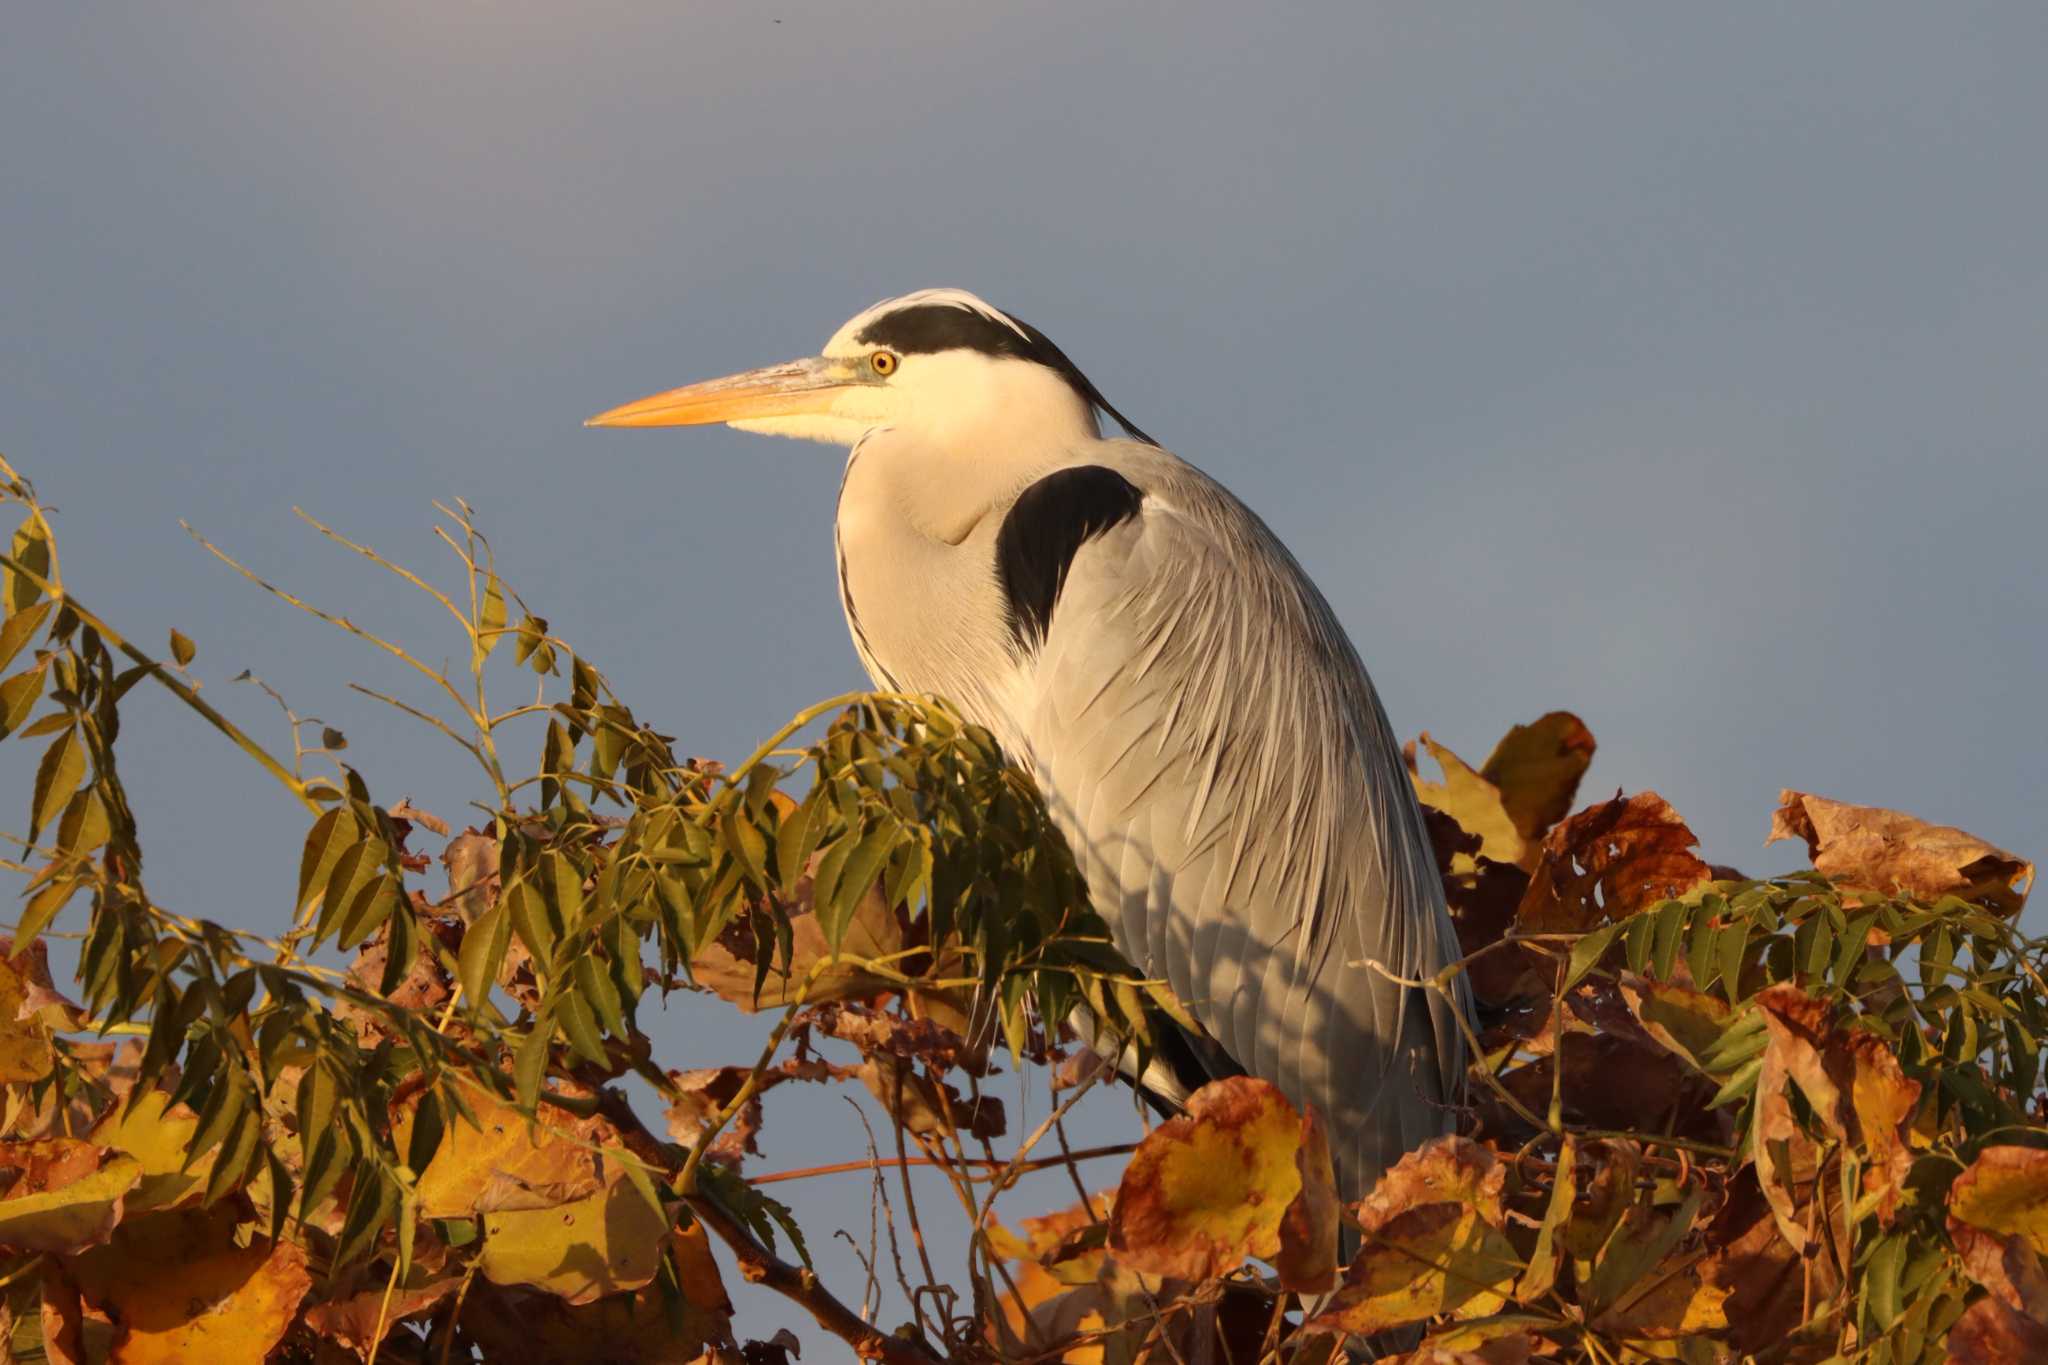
(1708, 1118)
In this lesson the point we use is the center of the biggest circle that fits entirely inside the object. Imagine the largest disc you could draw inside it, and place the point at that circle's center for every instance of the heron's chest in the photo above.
(925, 615)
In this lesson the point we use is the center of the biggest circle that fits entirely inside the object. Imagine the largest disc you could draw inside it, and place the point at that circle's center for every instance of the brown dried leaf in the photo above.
(471, 859)
(353, 1321)
(539, 1329)
(1764, 1278)
(406, 810)
(1307, 1259)
(1483, 896)
(1990, 1333)
(726, 965)
(25, 1053)
(1537, 767)
(1434, 1242)
(921, 1105)
(702, 1095)
(1892, 852)
(1609, 861)
(1210, 1187)
(62, 1317)
(1853, 1083)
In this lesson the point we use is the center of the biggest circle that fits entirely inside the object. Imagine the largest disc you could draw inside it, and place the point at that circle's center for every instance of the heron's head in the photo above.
(938, 363)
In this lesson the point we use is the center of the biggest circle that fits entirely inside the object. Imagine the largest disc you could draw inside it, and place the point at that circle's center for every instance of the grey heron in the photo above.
(1202, 729)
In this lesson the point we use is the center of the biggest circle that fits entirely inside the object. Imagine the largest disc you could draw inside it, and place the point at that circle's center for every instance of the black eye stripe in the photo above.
(927, 328)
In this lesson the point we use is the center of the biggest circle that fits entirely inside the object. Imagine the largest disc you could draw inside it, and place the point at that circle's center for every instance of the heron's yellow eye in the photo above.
(882, 363)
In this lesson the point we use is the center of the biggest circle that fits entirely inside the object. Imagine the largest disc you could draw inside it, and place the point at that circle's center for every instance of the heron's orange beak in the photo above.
(789, 390)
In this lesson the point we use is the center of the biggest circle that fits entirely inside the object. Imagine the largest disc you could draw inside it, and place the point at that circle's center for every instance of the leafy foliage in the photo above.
(1709, 1117)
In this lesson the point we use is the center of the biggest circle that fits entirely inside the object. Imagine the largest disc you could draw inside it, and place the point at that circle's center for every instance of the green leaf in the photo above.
(367, 909)
(579, 1026)
(43, 906)
(1729, 950)
(490, 618)
(57, 777)
(331, 1154)
(862, 865)
(31, 550)
(85, 826)
(332, 834)
(19, 629)
(358, 867)
(1588, 951)
(529, 915)
(402, 948)
(594, 985)
(562, 880)
(1664, 945)
(530, 1064)
(429, 1125)
(372, 1205)
(238, 1153)
(746, 844)
(182, 649)
(484, 945)
(280, 1191)
(223, 1107)
(317, 1096)
(1881, 1276)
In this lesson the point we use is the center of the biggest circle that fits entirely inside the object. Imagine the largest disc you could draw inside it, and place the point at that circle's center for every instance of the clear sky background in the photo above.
(1680, 366)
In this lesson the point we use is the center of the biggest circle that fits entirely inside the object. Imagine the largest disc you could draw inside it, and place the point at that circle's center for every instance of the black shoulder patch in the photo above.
(1049, 523)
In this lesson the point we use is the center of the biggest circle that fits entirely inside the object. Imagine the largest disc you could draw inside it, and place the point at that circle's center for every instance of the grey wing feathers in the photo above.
(1211, 746)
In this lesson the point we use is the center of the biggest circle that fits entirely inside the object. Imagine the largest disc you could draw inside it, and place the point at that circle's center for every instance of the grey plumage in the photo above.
(1204, 733)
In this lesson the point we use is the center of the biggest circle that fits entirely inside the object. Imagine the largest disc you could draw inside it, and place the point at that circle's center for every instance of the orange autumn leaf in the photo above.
(178, 1288)
(1609, 861)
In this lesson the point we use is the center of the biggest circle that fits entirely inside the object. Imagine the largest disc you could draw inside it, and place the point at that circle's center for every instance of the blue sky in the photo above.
(1680, 366)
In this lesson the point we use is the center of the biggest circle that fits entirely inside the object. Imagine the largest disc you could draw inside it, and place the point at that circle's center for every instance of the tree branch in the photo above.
(761, 1266)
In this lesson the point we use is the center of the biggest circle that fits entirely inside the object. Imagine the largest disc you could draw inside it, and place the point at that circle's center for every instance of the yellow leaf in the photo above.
(604, 1244)
(1434, 1242)
(1207, 1189)
(66, 1193)
(506, 1165)
(1471, 800)
(157, 1138)
(2005, 1191)
(1537, 768)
